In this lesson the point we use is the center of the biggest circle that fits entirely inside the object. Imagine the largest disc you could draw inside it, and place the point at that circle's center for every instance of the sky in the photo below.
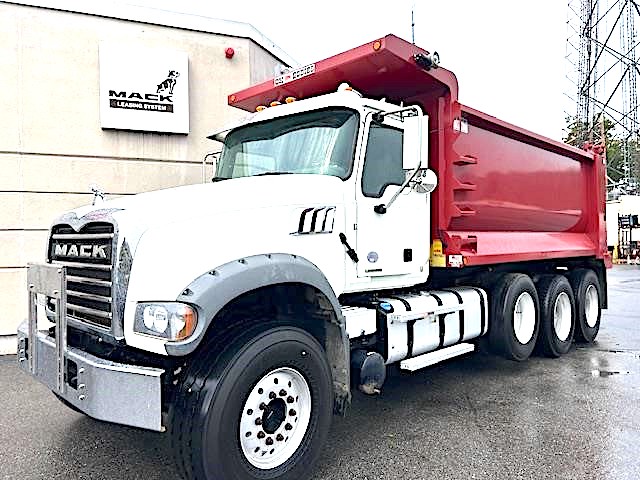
(508, 55)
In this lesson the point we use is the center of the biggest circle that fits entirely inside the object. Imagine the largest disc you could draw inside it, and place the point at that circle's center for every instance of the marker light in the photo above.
(172, 320)
(345, 87)
(290, 99)
(260, 108)
(274, 104)
(377, 45)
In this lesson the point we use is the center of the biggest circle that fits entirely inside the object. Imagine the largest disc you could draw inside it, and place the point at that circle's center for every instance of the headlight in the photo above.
(171, 320)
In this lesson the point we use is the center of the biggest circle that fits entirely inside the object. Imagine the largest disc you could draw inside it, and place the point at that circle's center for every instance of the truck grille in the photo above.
(88, 256)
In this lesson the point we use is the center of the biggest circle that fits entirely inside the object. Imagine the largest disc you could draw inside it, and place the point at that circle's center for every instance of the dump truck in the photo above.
(360, 218)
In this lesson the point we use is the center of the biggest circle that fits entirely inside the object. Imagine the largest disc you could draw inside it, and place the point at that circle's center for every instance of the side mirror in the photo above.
(412, 142)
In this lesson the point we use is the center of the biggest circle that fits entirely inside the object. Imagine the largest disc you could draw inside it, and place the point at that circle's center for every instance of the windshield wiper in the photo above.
(219, 179)
(271, 173)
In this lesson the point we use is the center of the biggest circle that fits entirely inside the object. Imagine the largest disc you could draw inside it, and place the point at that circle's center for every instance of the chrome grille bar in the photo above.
(96, 266)
(91, 311)
(88, 280)
(86, 236)
(89, 296)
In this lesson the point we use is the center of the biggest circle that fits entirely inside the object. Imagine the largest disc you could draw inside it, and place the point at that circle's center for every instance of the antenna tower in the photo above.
(602, 73)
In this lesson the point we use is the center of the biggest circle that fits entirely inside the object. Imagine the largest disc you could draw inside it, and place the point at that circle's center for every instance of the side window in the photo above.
(383, 160)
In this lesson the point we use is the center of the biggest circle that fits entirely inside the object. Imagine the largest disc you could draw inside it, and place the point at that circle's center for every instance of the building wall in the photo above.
(51, 144)
(625, 205)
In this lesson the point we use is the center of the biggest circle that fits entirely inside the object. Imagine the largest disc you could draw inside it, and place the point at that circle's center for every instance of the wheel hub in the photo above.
(562, 316)
(524, 318)
(275, 418)
(273, 415)
(591, 306)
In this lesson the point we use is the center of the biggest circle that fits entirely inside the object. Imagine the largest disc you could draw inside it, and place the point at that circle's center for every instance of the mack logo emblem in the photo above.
(160, 101)
(85, 251)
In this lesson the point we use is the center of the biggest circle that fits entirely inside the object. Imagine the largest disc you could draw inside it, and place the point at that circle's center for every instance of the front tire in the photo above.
(261, 411)
(514, 317)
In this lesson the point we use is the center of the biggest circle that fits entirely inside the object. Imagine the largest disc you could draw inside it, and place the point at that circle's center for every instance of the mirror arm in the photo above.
(379, 116)
(382, 208)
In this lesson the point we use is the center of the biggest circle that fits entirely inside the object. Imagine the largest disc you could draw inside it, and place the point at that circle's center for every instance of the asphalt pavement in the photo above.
(479, 417)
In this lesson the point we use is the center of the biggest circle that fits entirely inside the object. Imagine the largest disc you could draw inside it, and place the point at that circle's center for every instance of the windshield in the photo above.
(320, 142)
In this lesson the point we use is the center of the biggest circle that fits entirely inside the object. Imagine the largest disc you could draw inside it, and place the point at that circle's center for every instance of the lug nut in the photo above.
(261, 434)
(250, 412)
(272, 395)
(258, 421)
(263, 406)
(290, 399)
(286, 427)
(283, 393)
(292, 413)
(279, 437)
(269, 441)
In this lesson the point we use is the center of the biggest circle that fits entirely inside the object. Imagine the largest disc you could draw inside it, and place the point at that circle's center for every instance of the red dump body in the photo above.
(505, 194)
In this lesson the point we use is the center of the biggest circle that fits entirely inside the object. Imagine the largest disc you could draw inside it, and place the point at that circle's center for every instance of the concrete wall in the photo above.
(51, 144)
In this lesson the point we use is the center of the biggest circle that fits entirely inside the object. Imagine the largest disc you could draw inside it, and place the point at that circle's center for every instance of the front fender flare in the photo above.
(213, 290)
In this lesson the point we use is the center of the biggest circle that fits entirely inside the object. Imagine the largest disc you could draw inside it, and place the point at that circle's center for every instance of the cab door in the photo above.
(395, 242)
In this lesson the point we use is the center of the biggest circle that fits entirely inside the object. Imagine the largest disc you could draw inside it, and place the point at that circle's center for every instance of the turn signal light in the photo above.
(290, 99)
(259, 108)
(274, 104)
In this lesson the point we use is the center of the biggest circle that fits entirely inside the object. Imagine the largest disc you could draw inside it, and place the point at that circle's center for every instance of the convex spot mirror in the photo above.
(426, 181)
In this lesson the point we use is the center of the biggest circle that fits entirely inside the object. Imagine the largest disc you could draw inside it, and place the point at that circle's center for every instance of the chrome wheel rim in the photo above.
(275, 418)
(591, 305)
(524, 318)
(562, 316)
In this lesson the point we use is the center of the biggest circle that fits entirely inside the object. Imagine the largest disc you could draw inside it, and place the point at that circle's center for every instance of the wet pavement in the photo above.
(480, 417)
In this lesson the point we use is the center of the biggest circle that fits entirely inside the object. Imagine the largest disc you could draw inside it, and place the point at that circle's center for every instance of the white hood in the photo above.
(179, 234)
(204, 200)
(183, 232)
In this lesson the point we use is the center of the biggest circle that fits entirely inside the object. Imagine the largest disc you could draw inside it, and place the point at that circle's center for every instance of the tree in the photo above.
(578, 133)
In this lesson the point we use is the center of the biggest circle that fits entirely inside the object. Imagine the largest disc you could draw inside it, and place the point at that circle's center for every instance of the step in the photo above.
(431, 358)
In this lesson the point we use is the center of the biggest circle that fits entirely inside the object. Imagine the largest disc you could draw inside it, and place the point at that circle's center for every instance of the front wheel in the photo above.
(262, 412)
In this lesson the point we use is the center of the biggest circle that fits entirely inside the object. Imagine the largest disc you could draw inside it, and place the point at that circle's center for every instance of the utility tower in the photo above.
(602, 70)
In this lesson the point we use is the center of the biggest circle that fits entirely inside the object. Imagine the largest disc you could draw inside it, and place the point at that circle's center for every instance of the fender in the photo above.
(213, 290)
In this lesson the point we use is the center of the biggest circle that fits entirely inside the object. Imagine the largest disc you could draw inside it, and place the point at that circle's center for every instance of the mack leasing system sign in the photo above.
(144, 89)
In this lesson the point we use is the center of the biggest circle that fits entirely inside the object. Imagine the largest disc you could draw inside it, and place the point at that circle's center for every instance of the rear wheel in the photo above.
(514, 317)
(557, 313)
(262, 409)
(587, 292)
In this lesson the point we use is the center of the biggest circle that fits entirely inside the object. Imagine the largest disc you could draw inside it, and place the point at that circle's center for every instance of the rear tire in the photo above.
(587, 293)
(514, 317)
(557, 315)
(260, 409)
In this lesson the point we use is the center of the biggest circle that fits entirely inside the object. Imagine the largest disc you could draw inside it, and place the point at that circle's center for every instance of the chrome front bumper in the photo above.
(105, 390)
